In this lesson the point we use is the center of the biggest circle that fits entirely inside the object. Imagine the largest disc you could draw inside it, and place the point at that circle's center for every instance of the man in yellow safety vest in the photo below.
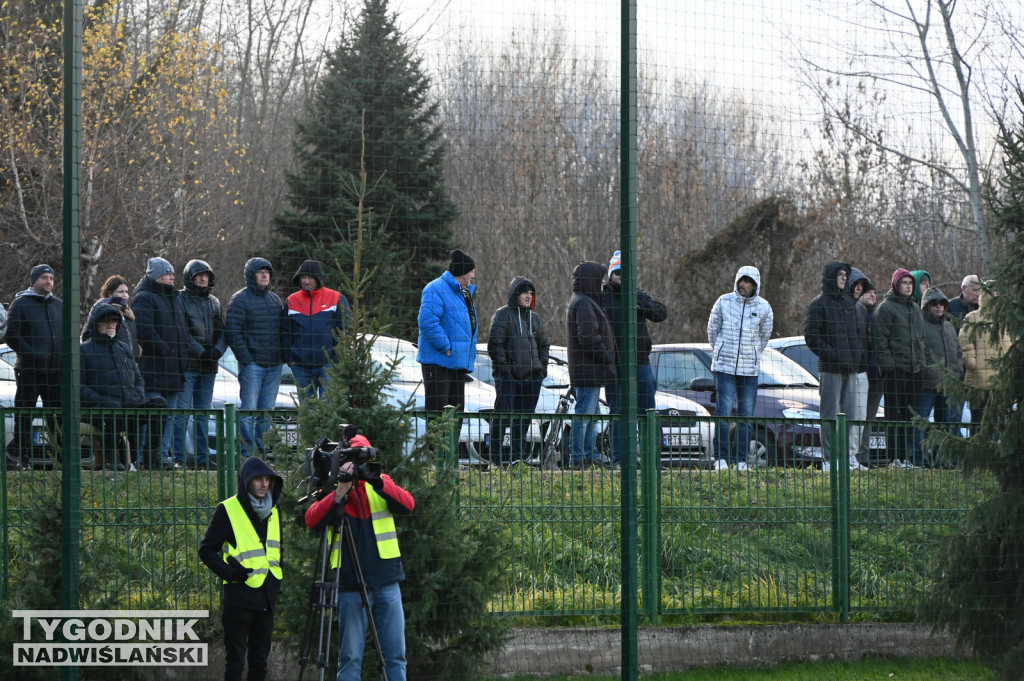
(367, 505)
(243, 547)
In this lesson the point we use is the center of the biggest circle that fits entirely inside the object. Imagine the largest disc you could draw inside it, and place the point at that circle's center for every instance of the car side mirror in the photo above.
(703, 384)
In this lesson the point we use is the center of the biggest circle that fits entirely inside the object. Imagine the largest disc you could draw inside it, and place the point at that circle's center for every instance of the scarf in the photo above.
(262, 507)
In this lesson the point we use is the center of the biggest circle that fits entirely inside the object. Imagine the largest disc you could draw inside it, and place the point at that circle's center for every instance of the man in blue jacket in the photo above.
(253, 330)
(448, 328)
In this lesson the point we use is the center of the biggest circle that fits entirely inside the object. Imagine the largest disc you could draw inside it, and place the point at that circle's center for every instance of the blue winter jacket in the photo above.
(445, 325)
(253, 326)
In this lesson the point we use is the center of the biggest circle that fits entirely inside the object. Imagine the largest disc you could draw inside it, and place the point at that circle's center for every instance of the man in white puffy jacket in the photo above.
(738, 330)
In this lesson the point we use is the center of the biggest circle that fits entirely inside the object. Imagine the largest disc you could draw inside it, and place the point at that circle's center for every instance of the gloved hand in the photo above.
(239, 574)
(211, 354)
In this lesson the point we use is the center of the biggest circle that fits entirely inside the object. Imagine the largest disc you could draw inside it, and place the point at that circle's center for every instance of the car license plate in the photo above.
(291, 437)
(39, 437)
(876, 442)
(681, 440)
(507, 440)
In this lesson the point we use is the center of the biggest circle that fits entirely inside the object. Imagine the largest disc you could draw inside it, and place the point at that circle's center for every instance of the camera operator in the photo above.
(243, 547)
(368, 499)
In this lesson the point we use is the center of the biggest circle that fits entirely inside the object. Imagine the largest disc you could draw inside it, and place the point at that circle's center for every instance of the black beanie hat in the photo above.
(459, 263)
(38, 271)
(313, 269)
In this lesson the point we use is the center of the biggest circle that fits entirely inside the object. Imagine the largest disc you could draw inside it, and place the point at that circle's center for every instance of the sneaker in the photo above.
(902, 465)
(721, 465)
(857, 465)
(826, 466)
(741, 466)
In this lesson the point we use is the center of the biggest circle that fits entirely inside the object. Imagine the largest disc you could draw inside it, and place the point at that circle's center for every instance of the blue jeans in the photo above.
(583, 443)
(388, 615)
(198, 394)
(313, 379)
(739, 393)
(258, 390)
(645, 389)
(168, 431)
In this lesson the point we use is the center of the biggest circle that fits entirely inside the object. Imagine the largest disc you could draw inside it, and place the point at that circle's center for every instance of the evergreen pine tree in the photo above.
(453, 569)
(978, 587)
(371, 113)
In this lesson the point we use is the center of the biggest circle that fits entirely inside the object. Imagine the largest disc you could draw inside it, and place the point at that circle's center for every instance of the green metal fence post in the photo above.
(841, 466)
(650, 513)
(4, 526)
(226, 473)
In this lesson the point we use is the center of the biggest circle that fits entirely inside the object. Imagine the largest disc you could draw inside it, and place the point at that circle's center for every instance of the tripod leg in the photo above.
(322, 600)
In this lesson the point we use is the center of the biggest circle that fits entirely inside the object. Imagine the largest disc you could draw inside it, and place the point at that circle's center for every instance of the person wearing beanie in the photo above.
(207, 343)
(164, 340)
(898, 337)
(593, 358)
(33, 332)
(860, 288)
(518, 348)
(446, 348)
(312, 316)
(647, 310)
(739, 327)
(253, 331)
(158, 268)
(835, 329)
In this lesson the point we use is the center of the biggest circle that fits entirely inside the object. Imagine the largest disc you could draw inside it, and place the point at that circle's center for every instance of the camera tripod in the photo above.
(323, 600)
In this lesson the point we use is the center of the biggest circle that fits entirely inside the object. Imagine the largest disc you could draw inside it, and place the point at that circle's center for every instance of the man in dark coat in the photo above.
(163, 336)
(33, 332)
(647, 310)
(242, 546)
(518, 348)
(835, 329)
(593, 359)
(204, 317)
(111, 380)
(899, 347)
(943, 352)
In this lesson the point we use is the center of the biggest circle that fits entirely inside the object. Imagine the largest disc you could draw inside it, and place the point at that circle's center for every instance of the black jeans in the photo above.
(902, 395)
(33, 384)
(246, 629)
(517, 396)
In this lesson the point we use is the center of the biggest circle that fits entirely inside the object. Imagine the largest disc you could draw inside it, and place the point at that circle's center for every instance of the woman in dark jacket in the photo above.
(518, 348)
(116, 291)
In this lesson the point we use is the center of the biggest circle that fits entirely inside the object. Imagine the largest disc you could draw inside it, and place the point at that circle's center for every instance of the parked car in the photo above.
(407, 385)
(226, 391)
(787, 396)
(686, 440)
(795, 348)
(42, 453)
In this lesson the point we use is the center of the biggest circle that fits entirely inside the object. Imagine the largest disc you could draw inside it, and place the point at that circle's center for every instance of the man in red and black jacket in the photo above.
(368, 501)
(312, 315)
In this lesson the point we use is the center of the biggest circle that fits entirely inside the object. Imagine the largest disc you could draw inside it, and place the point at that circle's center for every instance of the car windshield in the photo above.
(388, 351)
(779, 371)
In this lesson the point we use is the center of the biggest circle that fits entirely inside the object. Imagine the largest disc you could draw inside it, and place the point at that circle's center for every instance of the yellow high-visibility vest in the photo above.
(248, 549)
(383, 530)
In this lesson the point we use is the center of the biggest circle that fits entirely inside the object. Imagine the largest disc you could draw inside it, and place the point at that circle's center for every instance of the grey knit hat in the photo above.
(158, 267)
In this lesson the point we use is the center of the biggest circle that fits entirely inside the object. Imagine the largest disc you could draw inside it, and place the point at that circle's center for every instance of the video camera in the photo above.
(325, 458)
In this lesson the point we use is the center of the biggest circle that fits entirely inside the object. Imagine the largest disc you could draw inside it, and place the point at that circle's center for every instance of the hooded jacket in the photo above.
(109, 375)
(219, 532)
(869, 320)
(517, 344)
(33, 331)
(593, 358)
(445, 324)
(311, 318)
(898, 334)
(647, 309)
(941, 345)
(739, 328)
(205, 318)
(126, 332)
(834, 328)
(253, 325)
(918, 275)
(979, 350)
(163, 336)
